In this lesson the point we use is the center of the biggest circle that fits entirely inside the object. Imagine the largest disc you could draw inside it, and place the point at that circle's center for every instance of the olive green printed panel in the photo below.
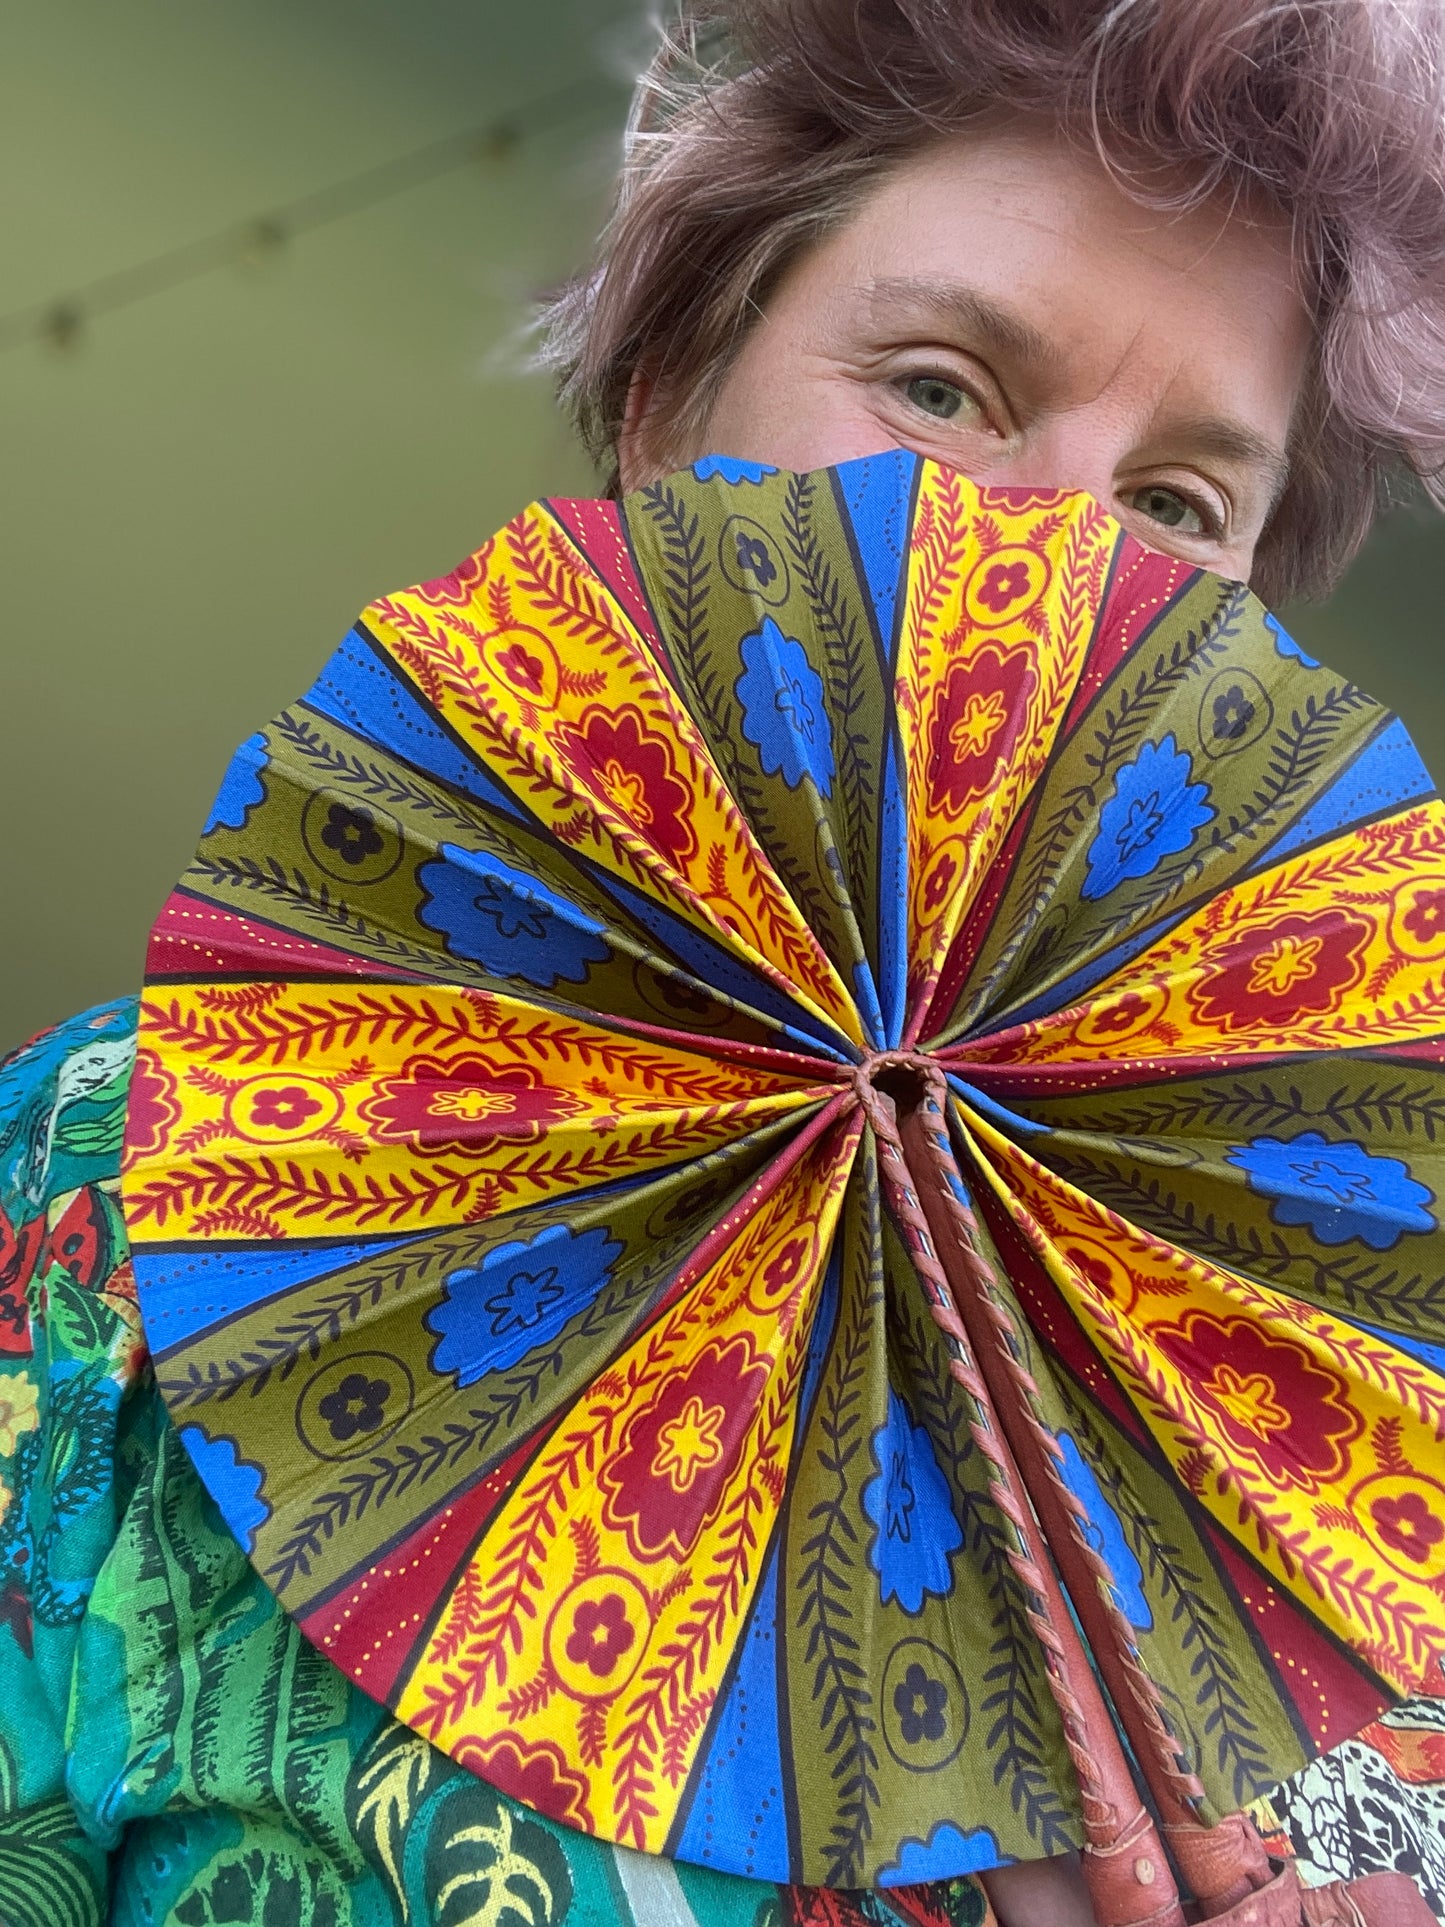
(1195, 731)
(857, 696)
(767, 629)
(319, 751)
(1247, 1166)
(830, 1693)
(1193, 1635)
(358, 851)
(1397, 1103)
(400, 1321)
(336, 863)
(894, 1550)
(1014, 1759)
(1258, 1209)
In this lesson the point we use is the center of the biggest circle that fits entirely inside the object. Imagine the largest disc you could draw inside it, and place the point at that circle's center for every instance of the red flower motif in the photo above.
(1275, 1403)
(940, 878)
(519, 665)
(456, 589)
(1425, 919)
(535, 1773)
(286, 1109)
(1004, 583)
(464, 1104)
(1091, 1266)
(635, 772)
(786, 1266)
(1018, 496)
(600, 1634)
(152, 1111)
(976, 721)
(679, 1452)
(1407, 1525)
(83, 1240)
(20, 1247)
(1130, 1010)
(1296, 966)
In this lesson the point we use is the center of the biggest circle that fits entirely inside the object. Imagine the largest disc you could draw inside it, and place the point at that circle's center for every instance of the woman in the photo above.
(1191, 260)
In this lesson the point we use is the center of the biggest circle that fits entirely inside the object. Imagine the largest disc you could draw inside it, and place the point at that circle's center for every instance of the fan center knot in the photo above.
(903, 1075)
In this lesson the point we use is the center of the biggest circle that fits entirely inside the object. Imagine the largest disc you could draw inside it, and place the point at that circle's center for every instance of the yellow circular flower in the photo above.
(19, 1411)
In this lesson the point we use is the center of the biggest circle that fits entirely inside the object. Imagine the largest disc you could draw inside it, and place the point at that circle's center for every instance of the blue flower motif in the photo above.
(732, 469)
(1338, 1190)
(233, 1482)
(946, 1853)
(912, 1513)
(1153, 813)
(520, 1296)
(1106, 1535)
(241, 787)
(1286, 645)
(783, 714)
(506, 921)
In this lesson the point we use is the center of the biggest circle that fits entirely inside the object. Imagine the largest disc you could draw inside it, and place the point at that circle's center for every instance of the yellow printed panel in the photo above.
(591, 1633)
(1316, 1445)
(1336, 950)
(999, 617)
(324, 1108)
(605, 754)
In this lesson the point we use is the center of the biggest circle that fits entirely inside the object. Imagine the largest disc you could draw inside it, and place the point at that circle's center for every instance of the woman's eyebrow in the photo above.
(955, 309)
(1234, 441)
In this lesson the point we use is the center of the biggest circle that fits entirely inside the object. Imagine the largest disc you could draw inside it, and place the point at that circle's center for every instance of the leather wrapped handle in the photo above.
(1223, 1863)
(1127, 1870)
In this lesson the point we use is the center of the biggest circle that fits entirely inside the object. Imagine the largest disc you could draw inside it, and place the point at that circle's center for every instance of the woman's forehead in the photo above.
(1016, 241)
(1024, 203)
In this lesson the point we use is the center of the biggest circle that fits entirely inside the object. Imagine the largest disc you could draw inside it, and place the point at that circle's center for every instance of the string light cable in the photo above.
(61, 319)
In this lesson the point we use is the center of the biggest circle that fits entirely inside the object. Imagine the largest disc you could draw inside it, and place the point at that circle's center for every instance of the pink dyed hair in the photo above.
(761, 123)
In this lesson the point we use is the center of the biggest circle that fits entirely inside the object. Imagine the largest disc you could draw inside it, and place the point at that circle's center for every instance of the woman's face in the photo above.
(998, 304)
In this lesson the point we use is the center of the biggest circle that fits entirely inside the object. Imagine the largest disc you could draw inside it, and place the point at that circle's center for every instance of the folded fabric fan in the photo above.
(505, 1189)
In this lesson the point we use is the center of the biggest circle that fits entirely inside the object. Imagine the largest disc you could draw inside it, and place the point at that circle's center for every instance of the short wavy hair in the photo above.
(762, 123)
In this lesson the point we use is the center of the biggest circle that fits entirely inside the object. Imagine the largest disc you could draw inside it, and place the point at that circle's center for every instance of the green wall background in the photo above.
(201, 491)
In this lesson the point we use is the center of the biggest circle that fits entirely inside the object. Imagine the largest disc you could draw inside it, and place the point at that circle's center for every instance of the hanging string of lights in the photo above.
(63, 318)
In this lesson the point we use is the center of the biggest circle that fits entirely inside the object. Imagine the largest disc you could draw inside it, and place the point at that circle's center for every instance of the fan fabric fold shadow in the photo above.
(508, 1161)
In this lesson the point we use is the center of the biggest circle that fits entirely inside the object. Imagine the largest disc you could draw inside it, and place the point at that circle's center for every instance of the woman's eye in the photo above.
(1169, 509)
(935, 396)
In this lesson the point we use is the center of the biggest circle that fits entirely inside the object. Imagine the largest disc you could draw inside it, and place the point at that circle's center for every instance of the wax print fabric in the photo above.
(173, 1753)
(511, 1240)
